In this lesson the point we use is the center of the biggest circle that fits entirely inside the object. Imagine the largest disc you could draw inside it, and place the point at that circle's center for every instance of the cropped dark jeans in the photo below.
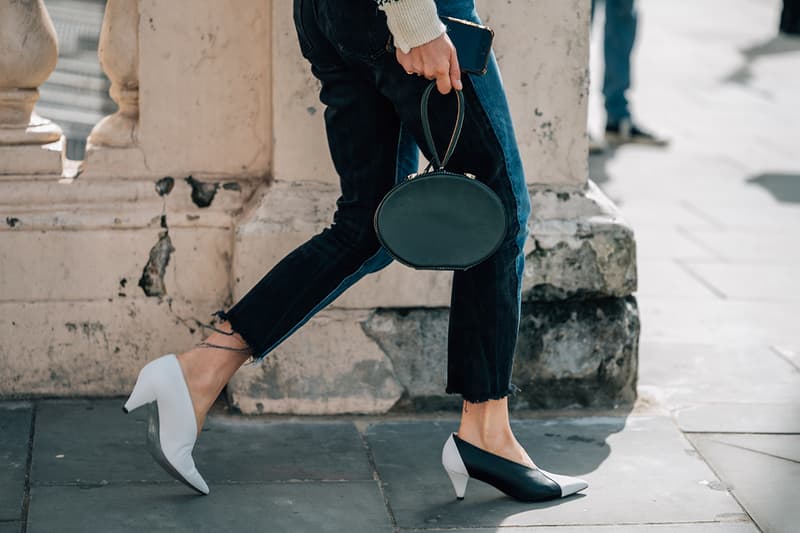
(373, 128)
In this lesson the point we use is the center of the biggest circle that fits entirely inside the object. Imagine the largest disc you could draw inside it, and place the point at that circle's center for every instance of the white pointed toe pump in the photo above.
(171, 422)
(463, 460)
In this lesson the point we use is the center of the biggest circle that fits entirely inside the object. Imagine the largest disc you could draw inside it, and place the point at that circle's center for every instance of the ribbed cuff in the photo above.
(412, 22)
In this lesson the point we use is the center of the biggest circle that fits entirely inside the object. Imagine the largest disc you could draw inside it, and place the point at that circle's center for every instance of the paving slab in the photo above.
(766, 246)
(720, 322)
(683, 374)
(10, 527)
(789, 355)
(661, 214)
(333, 507)
(776, 218)
(668, 243)
(766, 484)
(93, 441)
(780, 446)
(762, 281)
(704, 527)
(741, 417)
(639, 470)
(15, 428)
(667, 278)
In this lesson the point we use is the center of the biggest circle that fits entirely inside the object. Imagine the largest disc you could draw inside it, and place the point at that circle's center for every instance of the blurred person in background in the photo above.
(619, 35)
(790, 18)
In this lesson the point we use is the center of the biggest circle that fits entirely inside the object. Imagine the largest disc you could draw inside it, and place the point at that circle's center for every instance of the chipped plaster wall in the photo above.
(205, 86)
(103, 272)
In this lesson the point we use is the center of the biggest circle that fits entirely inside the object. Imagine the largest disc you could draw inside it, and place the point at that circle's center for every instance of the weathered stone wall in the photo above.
(216, 166)
(102, 272)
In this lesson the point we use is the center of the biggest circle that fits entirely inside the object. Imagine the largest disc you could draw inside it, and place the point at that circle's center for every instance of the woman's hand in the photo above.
(437, 60)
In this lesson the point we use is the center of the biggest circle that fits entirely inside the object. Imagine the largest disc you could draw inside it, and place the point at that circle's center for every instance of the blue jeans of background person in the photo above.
(619, 35)
(373, 129)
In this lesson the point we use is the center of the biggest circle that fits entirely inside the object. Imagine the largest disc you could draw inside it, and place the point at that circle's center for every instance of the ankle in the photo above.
(487, 439)
(197, 371)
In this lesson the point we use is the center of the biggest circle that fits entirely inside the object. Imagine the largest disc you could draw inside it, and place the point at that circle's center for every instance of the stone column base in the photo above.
(25, 159)
(381, 345)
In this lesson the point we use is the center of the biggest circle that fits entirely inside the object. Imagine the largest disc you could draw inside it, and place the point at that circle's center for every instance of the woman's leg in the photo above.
(485, 304)
(207, 369)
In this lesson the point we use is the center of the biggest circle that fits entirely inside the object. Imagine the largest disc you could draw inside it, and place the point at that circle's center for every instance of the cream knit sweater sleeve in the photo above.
(412, 22)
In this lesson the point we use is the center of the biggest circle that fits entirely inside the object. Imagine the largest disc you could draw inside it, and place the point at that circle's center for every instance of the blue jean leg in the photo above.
(407, 162)
(371, 151)
(485, 300)
(491, 96)
(619, 36)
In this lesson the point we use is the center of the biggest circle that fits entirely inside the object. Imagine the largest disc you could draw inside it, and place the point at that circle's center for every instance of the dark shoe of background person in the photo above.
(596, 146)
(625, 132)
(462, 460)
(790, 19)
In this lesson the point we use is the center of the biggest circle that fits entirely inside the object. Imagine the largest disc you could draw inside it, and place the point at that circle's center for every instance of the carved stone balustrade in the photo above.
(113, 142)
(28, 53)
(119, 57)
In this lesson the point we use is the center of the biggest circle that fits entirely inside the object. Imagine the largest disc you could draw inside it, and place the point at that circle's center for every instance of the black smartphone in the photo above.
(473, 44)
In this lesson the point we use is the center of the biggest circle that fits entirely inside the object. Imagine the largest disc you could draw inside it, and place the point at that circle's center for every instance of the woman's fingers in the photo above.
(436, 60)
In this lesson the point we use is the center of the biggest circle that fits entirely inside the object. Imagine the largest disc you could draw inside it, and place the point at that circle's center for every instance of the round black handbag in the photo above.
(437, 219)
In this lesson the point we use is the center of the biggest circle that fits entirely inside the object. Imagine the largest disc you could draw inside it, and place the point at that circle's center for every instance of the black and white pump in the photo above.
(463, 460)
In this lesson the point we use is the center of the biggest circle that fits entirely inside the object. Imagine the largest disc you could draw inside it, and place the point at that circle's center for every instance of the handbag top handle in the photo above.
(426, 128)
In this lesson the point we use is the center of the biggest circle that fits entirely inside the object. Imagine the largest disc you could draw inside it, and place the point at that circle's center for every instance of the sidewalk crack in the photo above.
(761, 452)
(26, 499)
(377, 478)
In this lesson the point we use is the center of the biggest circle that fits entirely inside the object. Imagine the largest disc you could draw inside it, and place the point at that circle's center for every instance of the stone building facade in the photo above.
(216, 165)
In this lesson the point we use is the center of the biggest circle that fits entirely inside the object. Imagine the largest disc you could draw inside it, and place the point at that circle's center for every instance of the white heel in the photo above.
(171, 422)
(459, 481)
(454, 466)
(142, 393)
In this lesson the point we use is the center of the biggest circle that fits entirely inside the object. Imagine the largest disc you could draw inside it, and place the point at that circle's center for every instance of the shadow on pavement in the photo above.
(598, 163)
(777, 45)
(785, 188)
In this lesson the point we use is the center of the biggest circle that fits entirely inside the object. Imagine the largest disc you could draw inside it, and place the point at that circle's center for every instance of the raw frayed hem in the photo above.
(481, 398)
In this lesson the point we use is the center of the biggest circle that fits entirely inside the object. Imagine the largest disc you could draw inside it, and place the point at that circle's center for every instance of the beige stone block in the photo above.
(288, 215)
(301, 146)
(81, 348)
(542, 49)
(133, 200)
(579, 246)
(329, 366)
(92, 264)
(205, 86)
(399, 286)
(82, 217)
(108, 162)
(32, 158)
